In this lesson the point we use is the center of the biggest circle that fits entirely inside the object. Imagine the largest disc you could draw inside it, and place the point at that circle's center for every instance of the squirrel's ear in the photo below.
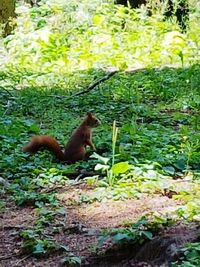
(89, 114)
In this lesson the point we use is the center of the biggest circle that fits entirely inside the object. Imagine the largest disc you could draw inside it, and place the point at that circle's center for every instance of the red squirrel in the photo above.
(75, 149)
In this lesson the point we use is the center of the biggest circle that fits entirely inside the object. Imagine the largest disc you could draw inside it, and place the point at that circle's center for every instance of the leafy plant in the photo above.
(190, 211)
(191, 256)
(38, 247)
(71, 260)
(116, 168)
(28, 197)
(61, 47)
(138, 232)
(67, 37)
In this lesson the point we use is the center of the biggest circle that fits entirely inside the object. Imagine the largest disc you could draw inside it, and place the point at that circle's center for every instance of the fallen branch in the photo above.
(5, 257)
(93, 85)
(65, 187)
(24, 258)
(80, 174)
(16, 227)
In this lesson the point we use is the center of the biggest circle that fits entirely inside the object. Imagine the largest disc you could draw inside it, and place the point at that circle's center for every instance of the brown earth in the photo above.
(82, 227)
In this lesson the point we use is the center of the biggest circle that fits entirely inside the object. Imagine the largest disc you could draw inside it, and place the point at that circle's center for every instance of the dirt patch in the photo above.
(111, 213)
(82, 228)
(13, 220)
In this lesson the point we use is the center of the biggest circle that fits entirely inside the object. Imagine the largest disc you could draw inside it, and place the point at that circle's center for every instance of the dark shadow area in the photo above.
(161, 251)
(180, 11)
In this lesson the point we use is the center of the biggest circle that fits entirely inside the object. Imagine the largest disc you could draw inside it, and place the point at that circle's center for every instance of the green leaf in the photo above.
(140, 222)
(98, 20)
(102, 183)
(75, 260)
(101, 167)
(39, 248)
(148, 234)
(102, 240)
(91, 180)
(119, 237)
(100, 158)
(180, 163)
(34, 128)
(120, 167)
(169, 170)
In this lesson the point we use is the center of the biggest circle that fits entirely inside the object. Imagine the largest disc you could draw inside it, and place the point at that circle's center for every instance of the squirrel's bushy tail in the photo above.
(47, 142)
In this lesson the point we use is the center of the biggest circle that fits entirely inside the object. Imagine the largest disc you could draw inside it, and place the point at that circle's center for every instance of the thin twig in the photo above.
(93, 85)
(68, 186)
(5, 257)
(24, 258)
(10, 227)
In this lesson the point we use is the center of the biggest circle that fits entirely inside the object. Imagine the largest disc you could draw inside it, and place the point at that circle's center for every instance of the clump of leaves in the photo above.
(129, 183)
(71, 260)
(191, 256)
(66, 37)
(137, 233)
(190, 211)
(115, 169)
(33, 198)
(35, 244)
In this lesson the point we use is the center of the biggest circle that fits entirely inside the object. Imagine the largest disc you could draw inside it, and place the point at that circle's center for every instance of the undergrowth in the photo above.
(58, 51)
(157, 140)
(55, 41)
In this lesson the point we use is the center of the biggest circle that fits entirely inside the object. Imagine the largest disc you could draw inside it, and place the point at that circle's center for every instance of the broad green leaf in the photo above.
(120, 167)
(169, 170)
(39, 248)
(34, 128)
(148, 234)
(119, 237)
(97, 20)
(101, 167)
(91, 180)
(102, 240)
(140, 222)
(75, 260)
(100, 158)
(180, 164)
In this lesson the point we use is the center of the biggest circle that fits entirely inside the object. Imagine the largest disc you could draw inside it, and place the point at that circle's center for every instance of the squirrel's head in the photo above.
(91, 120)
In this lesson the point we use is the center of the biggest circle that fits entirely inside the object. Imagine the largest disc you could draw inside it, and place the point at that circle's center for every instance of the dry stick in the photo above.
(92, 86)
(5, 257)
(108, 76)
(24, 258)
(16, 227)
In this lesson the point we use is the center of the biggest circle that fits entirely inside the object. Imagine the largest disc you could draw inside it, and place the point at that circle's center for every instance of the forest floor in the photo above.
(133, 202)
(82, 227)
(48, 218)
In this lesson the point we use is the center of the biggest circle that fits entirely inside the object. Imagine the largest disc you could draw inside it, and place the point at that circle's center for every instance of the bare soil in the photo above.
(83, 225)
